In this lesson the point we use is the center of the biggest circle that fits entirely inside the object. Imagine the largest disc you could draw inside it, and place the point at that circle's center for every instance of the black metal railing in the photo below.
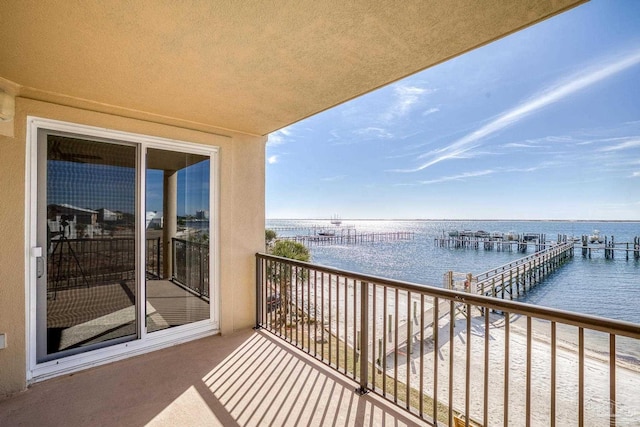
(89, 262)
(191, 265)
(434, 352)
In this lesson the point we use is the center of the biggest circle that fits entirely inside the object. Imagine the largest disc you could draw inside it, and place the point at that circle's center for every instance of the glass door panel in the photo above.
(177, 239)
(86, 288)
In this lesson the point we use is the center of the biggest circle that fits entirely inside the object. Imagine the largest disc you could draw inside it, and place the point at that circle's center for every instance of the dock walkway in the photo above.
(507, 281)
(351, 238)
(519, 276)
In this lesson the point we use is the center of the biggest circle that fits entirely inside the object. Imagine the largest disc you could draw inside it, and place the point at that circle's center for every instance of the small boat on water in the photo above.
(595, 237)
(511, 235)
(335, 220)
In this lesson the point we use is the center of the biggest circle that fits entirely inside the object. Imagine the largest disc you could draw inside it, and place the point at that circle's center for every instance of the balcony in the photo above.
(453, 356)
(468, 359)
(247, 378)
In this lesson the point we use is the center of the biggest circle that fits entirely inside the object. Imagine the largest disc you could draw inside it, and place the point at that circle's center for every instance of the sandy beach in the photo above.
(596, 367)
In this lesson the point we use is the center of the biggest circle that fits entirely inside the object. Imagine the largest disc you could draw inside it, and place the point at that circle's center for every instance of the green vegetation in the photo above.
(291, 250)
(269, 237)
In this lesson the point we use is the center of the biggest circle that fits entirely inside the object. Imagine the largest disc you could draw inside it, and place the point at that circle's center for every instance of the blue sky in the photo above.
(543, 124)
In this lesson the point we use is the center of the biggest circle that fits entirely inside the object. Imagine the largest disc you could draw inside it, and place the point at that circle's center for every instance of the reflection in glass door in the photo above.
(177, 236)
(86, 286)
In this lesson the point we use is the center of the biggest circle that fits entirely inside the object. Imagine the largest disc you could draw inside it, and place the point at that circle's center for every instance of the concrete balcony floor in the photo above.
(244, 379)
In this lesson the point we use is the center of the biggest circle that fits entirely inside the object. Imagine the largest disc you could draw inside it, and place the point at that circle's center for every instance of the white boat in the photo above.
(595, 237)
(335, 220)
(511, 235)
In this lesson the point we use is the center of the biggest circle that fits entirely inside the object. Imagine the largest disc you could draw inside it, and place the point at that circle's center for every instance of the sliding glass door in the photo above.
(87, 290)
(122, 242)
(177, 222)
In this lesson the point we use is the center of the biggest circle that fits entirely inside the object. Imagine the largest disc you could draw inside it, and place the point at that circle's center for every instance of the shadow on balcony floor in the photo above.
(244, 379)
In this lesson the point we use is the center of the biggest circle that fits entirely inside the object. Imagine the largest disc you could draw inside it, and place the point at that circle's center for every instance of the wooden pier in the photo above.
(609, 246)
(504, 242)
(507, 281)
(313, 229)
(522, 242)
(517, 277)
(350, 238)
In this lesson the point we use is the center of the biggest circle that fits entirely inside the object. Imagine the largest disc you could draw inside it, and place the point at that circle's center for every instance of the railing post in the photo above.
(173, 258)
(158, 245)
(201, 257)
(364, 338)
(258, 292)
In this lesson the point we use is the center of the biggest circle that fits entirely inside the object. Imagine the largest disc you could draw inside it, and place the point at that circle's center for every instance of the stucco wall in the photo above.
(241, 219)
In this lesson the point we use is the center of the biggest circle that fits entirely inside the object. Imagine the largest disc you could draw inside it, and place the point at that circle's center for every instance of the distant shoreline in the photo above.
(463, 220)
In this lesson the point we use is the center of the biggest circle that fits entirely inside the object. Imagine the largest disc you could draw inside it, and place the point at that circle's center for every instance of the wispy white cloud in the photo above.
(520, 145)
(373, 132)
(635, 175)
(430, 111)
(460, 177)
(405, 98)
(604, 140)
(272, 159)
(555, 93)
(631, 143)
(286, 131)
(279, 137)
(334, 178)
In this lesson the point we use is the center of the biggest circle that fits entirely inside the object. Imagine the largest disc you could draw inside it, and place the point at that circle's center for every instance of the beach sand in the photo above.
(596, 366)
(596, 375)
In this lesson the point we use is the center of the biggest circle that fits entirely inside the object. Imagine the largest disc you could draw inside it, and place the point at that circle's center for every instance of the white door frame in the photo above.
(146, 341)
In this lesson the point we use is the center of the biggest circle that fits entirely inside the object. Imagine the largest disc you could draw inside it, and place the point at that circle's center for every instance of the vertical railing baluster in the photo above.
(552, 422)
(330, 333)
(337, 322)
(580, 376)
(385, 331)
(346, 326)
(315, 313)
(259, 287)
(323, 315)
(408, 346)
(527, 407)
(396, 328)
(158, 255)
(467, 398)
(452, 325)
(507, 327)
(612, 380)
(286, 290)
(364, 336)
(374, 336)
(421, 394)
(436, 319)
(485, 412)
(356, 337)
(294, 300)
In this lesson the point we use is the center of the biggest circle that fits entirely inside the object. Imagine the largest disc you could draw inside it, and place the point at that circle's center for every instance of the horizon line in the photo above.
(454, 219)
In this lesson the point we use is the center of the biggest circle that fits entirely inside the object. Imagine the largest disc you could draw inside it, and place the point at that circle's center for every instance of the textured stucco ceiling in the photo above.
(249, 66)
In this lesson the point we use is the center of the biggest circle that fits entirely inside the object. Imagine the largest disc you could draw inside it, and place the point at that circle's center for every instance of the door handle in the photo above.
(37, 254)
(39, 267)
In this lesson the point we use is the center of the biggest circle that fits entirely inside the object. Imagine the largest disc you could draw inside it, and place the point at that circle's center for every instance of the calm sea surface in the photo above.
(608, 288)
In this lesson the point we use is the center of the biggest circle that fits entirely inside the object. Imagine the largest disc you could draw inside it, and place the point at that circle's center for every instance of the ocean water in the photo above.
(596, 286)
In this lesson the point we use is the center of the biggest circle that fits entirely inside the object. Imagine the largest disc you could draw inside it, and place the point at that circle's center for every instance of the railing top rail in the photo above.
(506, 267)
(597, 323)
